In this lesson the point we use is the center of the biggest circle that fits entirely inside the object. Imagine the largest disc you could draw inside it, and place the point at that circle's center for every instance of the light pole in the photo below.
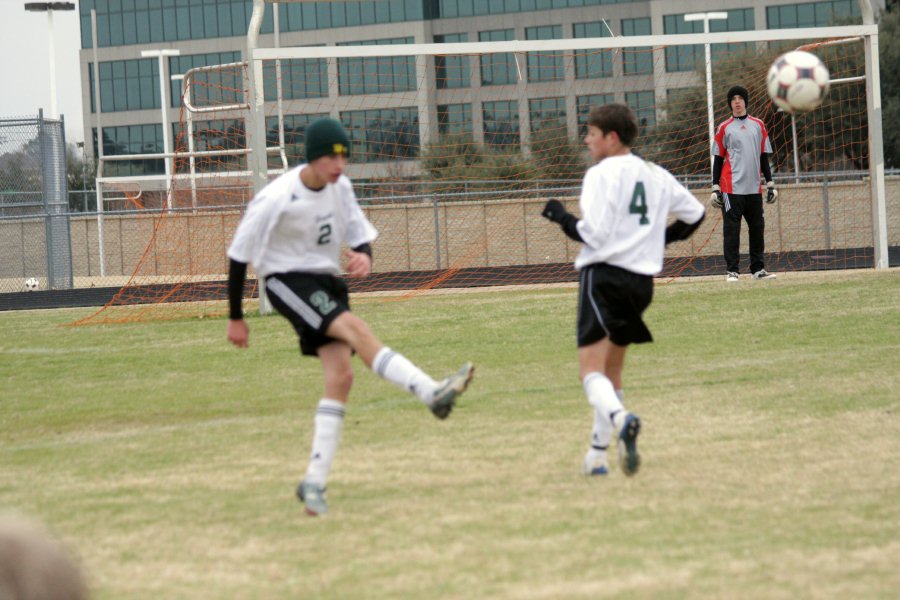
(706, 18)
(49, 7)
(161, 55)
(80, 146)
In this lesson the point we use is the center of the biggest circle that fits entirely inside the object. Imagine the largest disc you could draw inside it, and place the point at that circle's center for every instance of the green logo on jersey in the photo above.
(321, 301)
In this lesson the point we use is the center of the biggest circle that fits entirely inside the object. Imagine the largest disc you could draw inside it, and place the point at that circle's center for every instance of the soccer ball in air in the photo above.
(798, 81)
(31, 284)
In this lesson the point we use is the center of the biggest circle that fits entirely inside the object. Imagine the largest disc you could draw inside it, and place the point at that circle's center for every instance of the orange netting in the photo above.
(455, 187)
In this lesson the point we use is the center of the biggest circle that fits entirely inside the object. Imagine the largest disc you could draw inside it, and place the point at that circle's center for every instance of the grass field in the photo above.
(771, 443)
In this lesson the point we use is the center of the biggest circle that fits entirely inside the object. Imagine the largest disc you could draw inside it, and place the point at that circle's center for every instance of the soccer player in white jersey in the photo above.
(740, 152)
(624, 204)
(293, 233)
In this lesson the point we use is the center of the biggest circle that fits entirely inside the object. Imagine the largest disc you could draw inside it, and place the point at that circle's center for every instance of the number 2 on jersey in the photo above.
(638, 204)
(324, 233)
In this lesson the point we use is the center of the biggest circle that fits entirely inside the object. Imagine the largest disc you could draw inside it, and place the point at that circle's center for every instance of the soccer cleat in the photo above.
(763, 274)
(629, 459)
(731, 276)
(450, 389)
(595, 464)
(313, 497)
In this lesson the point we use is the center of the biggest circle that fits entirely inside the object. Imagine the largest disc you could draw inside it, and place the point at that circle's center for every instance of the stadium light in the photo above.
(706, 18)
(49, 7)
(161, 55)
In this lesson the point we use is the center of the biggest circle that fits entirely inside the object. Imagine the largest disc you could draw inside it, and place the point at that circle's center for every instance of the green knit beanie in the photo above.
(324, 137)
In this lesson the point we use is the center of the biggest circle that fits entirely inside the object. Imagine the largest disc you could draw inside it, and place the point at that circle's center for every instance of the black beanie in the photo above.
(324, 137)
(737, 90)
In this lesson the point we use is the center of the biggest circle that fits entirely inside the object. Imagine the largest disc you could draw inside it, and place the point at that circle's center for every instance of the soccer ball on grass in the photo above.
(798, 81)
(31, 284)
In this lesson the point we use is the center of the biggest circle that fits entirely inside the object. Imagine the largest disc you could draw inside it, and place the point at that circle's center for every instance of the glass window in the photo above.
(294, 130)
(811, 14)
(644, 106)
(142, 22)
(131, 139)
(300, 78)
(686, 58)
(501, 124)
(501, 68)
(544, 66)
(583, 106)
(220, 134)
(547, 113)
(381, 135)
(211, 88)
(451, 71)
(454, 119)
(592, 64)
(129, 84)
(376, 75)
(637, 61)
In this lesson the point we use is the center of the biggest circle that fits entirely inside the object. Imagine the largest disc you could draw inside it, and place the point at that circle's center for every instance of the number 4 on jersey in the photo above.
(638, 204)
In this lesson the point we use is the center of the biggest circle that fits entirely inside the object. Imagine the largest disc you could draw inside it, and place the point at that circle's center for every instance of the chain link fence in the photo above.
(34, 199)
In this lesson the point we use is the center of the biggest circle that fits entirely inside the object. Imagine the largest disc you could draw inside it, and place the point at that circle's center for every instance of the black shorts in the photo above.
(310, 301)
(611, 302)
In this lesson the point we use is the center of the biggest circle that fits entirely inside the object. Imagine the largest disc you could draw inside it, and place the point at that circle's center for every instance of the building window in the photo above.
(547, 113)
(501, 125)
(644, 106)
(637, 61)
(213, 135)
(501, 68)
(126, 22)
(213, 87)
(544, 66)
(811, 14)
(300, 78)
(385, 134)
(583, 106)
(132, 139)
(451, 71)
(122, 23)
(294, 136)
(377, 74)
(126, 85)
(473, 8)
(454, 119)
(592, 64)
(307, 16)
(686, 58)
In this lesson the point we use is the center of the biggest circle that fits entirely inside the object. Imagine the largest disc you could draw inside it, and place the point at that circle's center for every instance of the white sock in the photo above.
(601, 434)
(396, 368)
(602, 396)
(329, 423)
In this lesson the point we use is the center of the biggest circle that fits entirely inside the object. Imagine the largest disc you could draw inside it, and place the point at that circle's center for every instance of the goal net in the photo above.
(457, 145)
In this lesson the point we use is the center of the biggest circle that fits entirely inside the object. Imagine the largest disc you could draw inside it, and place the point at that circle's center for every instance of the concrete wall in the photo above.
(422, 236)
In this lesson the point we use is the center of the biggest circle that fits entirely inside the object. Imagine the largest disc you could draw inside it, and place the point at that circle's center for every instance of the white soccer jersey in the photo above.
(288, 227)
(625, 202)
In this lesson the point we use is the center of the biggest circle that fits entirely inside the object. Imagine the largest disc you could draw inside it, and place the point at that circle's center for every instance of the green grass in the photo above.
(167, 459)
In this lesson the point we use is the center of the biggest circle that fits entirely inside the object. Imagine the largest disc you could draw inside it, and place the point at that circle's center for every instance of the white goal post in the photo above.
(868, 32)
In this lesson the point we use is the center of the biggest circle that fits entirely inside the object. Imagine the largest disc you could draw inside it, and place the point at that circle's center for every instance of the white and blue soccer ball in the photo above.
(798, 81)
(31, 284)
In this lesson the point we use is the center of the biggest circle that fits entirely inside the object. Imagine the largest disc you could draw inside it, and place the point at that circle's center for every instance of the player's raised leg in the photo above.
(392, 366)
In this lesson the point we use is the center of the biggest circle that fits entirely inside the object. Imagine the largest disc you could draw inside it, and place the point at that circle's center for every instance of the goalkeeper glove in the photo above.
(718, 200)
(555, 211)
(771, 192)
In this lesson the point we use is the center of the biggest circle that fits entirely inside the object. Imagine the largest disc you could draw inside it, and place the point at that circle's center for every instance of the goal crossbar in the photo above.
(518, 46)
